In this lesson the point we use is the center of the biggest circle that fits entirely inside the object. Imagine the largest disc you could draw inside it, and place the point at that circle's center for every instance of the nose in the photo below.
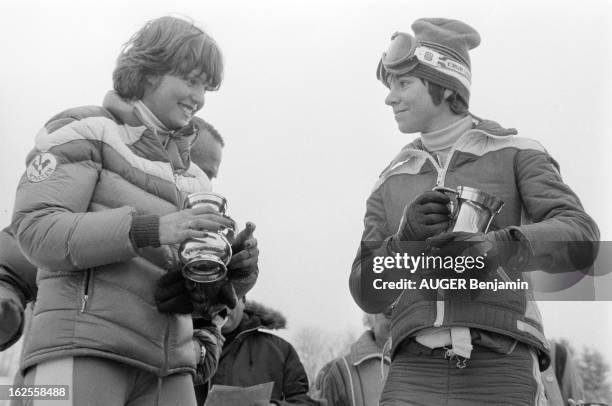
(391, 98)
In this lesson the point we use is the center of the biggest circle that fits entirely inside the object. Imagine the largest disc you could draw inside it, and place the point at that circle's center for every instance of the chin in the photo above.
(177, 125)
(406, 129)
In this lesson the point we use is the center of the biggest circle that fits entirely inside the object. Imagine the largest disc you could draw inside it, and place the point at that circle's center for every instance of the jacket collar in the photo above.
(486, 128)
(136, 114)
(365, 348)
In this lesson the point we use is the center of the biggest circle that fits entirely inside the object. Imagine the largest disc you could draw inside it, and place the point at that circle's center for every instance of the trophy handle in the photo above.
(451, 203)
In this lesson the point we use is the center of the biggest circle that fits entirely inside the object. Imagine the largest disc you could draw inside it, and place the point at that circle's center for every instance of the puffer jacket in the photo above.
(251, 356)
(92, 170)
(538, 205)
(356, 379)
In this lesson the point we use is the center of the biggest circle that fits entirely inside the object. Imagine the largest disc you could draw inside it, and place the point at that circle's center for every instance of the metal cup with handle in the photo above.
(472, 210)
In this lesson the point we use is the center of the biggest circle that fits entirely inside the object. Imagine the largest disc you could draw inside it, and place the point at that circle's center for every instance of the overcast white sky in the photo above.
(306, 127)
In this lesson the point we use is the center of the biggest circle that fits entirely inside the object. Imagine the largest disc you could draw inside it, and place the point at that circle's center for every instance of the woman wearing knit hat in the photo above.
(463, 347)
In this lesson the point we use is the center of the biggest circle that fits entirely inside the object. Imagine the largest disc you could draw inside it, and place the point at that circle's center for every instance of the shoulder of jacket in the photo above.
(75, 114)
(402, 156)
(270, 336)
(89, 123)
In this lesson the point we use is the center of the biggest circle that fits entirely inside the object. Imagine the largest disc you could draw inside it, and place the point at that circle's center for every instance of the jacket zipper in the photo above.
(166, 338)
(441, 178)
(85, 296)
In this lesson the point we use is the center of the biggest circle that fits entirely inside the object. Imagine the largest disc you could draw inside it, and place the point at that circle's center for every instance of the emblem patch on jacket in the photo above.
(41, 167)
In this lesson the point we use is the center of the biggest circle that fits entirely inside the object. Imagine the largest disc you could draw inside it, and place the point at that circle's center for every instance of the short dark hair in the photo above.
(204, 125)
(166, 45)
(456, 102)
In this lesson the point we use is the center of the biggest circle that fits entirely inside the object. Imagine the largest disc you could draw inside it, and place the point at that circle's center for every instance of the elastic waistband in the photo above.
(411, 347)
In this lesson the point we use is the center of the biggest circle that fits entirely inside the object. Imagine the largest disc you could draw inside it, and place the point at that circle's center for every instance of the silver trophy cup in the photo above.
(205, 258)
(472, 210)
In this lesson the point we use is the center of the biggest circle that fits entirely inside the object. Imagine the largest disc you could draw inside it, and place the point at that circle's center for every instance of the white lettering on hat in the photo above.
(444, 65)
(41, 167)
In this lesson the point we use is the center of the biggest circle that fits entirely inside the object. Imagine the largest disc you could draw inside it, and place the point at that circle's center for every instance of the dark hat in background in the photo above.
(452, 39)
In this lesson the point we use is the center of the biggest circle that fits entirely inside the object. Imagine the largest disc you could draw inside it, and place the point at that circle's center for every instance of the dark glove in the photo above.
(208, 299)
(496, 248)
(425, 217)
(11, 316)
(245, 254)
(172, 295)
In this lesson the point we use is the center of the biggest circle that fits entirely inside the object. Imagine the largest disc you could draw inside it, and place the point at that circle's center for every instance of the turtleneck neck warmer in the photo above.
(149, 119)
(444, 138)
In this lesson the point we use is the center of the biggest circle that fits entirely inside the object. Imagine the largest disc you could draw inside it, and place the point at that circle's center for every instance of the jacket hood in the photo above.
(257, 316)
(269, 318)
(121, 109)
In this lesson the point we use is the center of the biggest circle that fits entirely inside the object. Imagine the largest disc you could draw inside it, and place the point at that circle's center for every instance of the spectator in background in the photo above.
(252, 356)
(357, 379)
(562, 382)
(207, 149)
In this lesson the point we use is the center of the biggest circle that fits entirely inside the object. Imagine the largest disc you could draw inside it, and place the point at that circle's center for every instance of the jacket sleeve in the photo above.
(295, 382)
(378, 237)
(332, 385)
(562, 235)
(209, 339)
(51, 222)
(15, 269)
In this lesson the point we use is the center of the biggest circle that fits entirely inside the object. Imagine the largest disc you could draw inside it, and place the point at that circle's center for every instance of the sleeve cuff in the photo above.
(516, 249)
(145, 231)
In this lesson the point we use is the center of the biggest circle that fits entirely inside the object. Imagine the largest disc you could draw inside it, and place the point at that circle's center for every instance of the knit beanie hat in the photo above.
(442, 47)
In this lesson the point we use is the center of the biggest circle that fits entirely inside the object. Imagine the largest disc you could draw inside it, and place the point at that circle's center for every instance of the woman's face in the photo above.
(173, 99)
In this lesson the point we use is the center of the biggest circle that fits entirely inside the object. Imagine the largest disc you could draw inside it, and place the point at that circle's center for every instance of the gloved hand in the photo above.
(11, 316)
(209, 299)
(245, 253)
(496, 248)
(172, 295)
(175, 294)
(425, 217)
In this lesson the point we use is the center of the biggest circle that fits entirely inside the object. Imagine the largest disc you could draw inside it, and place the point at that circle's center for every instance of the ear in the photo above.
(151, 82)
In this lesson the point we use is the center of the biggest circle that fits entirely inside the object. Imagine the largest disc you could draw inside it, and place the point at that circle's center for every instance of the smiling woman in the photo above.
(107, 184)
(174, 100)
(169, 64)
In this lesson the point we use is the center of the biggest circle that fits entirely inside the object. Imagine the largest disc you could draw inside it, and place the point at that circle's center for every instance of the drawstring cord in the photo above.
(385, 354)
(450, 355)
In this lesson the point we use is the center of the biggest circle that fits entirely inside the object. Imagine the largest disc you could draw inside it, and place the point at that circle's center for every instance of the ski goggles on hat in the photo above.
(405, 53)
